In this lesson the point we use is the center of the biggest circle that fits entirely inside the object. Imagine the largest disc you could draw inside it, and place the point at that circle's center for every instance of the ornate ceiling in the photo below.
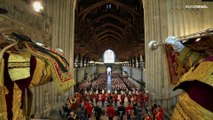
(109, 24)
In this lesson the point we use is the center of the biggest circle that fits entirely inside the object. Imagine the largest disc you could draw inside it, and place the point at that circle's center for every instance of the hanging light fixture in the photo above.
(37, 6)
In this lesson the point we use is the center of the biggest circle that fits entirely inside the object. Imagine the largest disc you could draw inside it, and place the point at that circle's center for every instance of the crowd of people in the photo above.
(118, 84)
(85, 85)
(121, 103)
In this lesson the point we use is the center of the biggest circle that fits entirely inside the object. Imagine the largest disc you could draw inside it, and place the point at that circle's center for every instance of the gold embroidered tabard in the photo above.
(203, 72)
(187, 109)
(19, 66)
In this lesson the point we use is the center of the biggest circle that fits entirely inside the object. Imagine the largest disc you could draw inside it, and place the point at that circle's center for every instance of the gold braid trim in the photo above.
(186, 108)
(179, 114)
(18, 113)
(3, 108)
(3, 89)
(63, 80)
(203, 72)
(66, 86)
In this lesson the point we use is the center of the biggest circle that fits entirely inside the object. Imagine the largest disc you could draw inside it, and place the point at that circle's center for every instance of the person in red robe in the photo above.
(122, 97)
(109, 94)
(147, 117)
(91, 97)
(129, 109)
(103, 98)
(96, 98)
(73, 104)
(160, 108)
(146, 98)
(158, 115)
(134, 99)
(115, 97)
(89, 109)
(110, 112)
(129, 97)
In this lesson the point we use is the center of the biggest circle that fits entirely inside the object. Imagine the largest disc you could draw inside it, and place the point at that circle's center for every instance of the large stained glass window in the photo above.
(109, 56)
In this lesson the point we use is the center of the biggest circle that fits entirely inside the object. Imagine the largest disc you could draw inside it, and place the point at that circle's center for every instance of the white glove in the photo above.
(176, 44)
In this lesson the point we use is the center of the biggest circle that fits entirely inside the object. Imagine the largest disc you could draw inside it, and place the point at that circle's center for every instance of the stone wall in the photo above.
(21, 18)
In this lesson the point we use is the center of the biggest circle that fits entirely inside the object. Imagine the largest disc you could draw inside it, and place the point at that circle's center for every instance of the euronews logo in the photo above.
(196, 6)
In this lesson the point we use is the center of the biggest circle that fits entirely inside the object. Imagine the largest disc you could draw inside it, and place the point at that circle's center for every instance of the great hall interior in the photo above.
(106, 59)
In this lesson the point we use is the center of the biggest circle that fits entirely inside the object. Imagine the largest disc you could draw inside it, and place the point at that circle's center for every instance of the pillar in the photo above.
(63, 22)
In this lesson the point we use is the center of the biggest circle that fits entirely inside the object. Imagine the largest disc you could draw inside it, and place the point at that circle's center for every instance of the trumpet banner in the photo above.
(203, 45)
(58, 65)
(172, 64)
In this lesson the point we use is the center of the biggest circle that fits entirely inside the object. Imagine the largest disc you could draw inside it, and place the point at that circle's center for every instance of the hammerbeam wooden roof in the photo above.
(109, 24)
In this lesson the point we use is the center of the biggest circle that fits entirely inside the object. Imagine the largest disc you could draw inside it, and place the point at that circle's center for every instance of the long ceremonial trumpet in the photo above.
(153, 45)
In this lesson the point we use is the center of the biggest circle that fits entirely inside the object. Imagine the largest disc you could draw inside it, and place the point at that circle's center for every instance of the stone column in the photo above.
(63, 19)
(156, 28)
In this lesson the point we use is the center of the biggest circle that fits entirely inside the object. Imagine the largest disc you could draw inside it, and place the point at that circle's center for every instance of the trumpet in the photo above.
(154, 45)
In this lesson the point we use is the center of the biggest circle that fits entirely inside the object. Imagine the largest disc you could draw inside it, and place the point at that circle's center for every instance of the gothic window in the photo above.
(109, 56)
